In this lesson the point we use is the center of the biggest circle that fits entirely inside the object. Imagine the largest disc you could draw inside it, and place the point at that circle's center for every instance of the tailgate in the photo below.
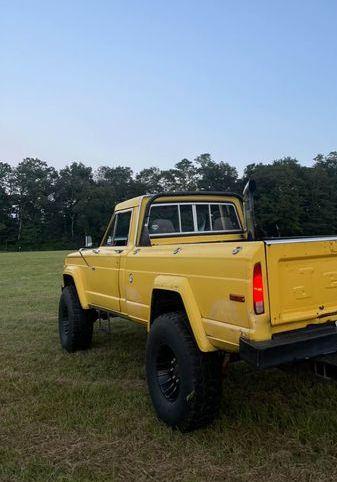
(302, 279)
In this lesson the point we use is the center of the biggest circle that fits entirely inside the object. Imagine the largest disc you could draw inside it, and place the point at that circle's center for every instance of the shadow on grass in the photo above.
(293, 401)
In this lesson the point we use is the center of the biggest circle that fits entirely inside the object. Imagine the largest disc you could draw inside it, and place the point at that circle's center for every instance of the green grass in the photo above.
(87, 416)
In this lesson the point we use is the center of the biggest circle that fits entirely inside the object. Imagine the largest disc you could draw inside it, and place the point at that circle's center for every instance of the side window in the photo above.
(119, 230)
(164, 219)
(109, 238)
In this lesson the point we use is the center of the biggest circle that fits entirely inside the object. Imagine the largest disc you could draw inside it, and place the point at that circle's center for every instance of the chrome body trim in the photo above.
(269, 242)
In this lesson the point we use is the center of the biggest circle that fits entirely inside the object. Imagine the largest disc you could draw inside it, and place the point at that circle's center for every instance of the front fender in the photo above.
(181, 285)
(75, 273)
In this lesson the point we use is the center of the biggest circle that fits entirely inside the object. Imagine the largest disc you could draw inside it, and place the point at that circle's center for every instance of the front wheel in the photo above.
(185, 384)
(75, 324)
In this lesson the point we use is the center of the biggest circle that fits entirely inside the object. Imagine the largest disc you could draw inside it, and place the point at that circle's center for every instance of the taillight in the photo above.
(258, 295)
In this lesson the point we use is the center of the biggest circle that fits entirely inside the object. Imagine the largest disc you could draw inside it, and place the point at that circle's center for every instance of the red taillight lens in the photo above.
(258, 295)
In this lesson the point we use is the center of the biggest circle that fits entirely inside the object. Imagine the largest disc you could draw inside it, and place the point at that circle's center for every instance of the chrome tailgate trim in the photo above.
(269, 242)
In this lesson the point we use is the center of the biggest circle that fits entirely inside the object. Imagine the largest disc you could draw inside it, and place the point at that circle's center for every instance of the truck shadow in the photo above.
(276, 400)
(293, 400)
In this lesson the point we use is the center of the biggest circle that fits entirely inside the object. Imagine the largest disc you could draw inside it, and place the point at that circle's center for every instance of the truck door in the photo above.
(103, 288)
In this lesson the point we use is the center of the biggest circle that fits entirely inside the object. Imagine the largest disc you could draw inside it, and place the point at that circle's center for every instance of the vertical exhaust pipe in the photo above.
(248, 208)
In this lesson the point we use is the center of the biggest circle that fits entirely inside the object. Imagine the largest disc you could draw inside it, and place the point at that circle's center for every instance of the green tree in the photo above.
(32, 185)
(149, 180)
(280, 196)
(6, 220)
(215, 176)
(40, 207)
(73, 196)
(113, 185)
(322, 192)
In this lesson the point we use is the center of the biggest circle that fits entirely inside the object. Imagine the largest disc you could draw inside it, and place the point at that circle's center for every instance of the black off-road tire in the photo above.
(75, 324)
(185, 384)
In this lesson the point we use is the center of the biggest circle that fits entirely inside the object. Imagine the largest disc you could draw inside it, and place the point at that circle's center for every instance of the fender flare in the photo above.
(181, 285)
(75, 273)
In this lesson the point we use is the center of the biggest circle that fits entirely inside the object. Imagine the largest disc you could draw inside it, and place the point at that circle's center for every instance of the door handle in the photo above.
(119, 251)
(96, 251)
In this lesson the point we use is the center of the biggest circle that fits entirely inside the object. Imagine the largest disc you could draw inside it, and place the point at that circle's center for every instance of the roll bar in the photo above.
(144, 239)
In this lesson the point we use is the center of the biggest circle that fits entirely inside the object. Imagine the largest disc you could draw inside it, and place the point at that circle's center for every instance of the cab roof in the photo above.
(136, 201)
(129, 203)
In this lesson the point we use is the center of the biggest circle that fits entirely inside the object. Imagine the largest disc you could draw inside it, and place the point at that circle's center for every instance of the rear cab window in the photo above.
(193, 218)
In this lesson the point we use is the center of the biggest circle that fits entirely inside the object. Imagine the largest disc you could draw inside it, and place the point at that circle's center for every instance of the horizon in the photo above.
(148, 85)
(112, 164)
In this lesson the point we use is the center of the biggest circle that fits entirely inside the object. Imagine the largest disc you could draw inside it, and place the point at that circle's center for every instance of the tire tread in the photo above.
(80, 335)
(204, 403)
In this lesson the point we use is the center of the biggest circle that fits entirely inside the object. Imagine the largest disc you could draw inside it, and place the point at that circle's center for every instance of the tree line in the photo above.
(45, 208)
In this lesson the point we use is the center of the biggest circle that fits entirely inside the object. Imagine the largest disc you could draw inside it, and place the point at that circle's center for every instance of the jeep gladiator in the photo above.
(188, 267)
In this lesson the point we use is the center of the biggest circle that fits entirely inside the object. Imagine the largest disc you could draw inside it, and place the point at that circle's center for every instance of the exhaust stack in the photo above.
(248, 207)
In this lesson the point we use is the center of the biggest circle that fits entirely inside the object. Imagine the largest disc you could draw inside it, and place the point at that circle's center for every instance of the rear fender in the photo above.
(182, 286)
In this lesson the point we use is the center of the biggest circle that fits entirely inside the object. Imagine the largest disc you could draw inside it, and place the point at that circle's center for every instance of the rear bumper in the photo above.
(291, 346)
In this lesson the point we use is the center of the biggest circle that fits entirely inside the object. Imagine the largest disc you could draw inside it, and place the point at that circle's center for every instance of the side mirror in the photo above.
(88, 242)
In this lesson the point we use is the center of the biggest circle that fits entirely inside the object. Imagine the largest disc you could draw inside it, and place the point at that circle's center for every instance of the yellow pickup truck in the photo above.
(188, 267)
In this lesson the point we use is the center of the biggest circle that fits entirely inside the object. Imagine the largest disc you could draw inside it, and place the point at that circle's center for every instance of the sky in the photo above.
(149, 82)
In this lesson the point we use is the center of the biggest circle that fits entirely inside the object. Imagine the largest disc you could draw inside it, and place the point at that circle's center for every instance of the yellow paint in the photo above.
(181, 285)
(302, 282)
(75, 272)
(204, 271)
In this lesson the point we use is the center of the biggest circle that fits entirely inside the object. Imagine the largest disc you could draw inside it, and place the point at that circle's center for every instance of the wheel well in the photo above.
(68, 280)
(164, 301)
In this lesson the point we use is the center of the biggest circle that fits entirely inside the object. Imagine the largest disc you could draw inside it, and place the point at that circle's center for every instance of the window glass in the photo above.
(203, 217)
(223, 217)
(119, 231)
(109, 238)
(122, 229)
(164, 219)
(232, 216)
(186, 217)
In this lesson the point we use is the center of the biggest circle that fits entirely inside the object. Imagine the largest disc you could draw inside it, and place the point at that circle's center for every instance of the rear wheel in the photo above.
(185, 384)
(75, 324)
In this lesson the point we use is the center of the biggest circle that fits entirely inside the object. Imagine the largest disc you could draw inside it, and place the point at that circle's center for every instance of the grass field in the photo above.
(87, 416)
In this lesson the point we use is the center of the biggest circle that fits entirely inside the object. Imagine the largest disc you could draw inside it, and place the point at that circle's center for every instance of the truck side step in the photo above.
(104, 322)
(326, 367)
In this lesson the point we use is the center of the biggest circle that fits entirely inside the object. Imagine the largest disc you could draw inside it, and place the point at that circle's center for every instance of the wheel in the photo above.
(185, 384)
(75, 324)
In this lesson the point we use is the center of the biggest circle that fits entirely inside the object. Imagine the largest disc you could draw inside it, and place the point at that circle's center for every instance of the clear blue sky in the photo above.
(143, 83)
